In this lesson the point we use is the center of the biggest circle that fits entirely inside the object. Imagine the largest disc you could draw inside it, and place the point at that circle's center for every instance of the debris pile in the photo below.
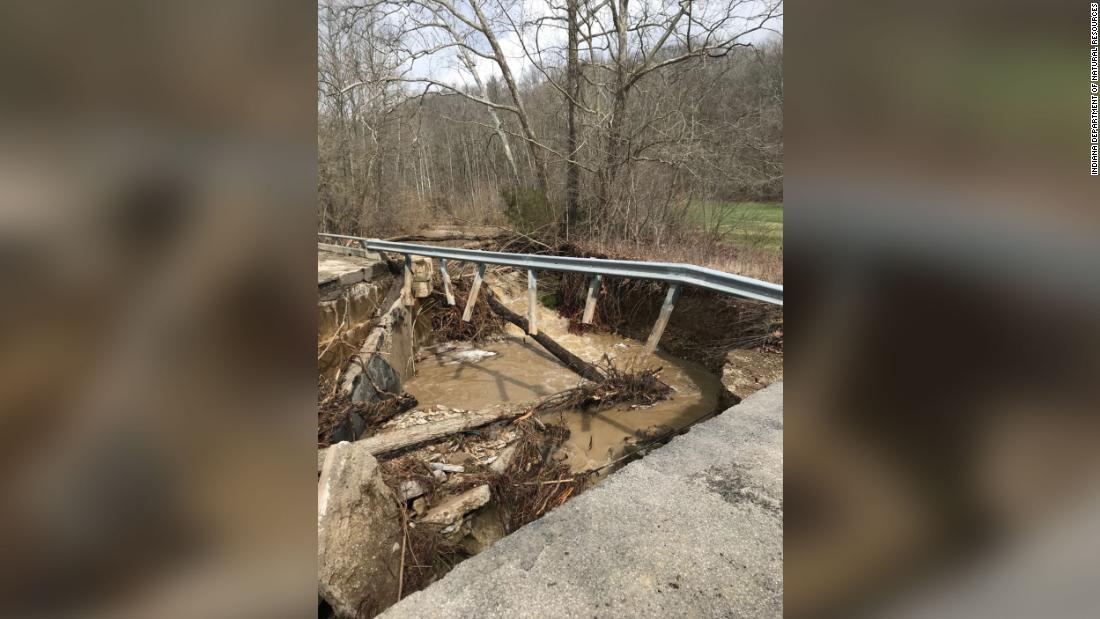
(447, 321)
(341, 419)
(450, 482)
(643, 387)
(459, 496)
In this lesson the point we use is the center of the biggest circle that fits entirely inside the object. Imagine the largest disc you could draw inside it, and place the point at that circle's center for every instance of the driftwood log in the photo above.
(573, 362)
(459, 233)
(393, 440)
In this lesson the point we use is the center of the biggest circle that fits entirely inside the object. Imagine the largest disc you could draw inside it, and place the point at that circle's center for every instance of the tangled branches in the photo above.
(705, 326)
(642, 387)
(447, 321)
(534, 483)
(340, 419)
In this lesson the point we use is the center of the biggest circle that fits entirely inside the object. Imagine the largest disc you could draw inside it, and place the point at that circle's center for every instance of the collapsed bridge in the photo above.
(676, 275)
(469, 465)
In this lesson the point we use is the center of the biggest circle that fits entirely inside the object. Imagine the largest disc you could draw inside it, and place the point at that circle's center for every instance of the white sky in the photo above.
(446, 67)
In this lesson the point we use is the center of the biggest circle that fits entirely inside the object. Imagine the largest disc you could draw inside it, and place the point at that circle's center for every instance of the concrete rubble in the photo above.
(695, 529)
(358, 527)
(455, 507)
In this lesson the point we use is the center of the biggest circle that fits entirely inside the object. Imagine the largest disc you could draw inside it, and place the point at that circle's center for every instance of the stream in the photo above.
(516, 369)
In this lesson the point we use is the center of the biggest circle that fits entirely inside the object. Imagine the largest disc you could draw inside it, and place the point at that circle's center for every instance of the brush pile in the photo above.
(704, 327)
(427, 552)
(533, 483)
(642, 387)
(447, 321)
(340, 419)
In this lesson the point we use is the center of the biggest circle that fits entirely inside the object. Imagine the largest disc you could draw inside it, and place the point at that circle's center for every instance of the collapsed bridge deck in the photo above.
(694, 529)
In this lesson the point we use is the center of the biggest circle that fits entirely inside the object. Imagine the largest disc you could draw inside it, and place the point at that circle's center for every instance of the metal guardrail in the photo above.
(691, 275)
(676, 275)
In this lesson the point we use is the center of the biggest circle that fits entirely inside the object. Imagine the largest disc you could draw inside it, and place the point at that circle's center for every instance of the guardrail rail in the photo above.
(676, 275)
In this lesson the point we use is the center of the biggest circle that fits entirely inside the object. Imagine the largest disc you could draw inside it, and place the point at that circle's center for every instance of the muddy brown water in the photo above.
(519, 370)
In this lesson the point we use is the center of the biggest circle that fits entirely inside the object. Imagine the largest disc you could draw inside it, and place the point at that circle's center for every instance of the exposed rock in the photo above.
(457, 506)
(420, 506)
(377, 376)
(350, 428)
(439, 475)
(410, 489)
(485, 530)
(321, 453)
(357, 526)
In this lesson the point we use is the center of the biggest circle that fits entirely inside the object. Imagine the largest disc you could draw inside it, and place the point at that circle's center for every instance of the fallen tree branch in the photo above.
(573, 362)
(458, 236)
(618, 386)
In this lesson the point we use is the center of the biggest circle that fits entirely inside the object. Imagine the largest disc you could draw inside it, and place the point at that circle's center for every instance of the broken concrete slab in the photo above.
(422, 276)
(504, 459)
(358, 534)
(387, 354)
(344, 270)
(457, 506)
(695, 529)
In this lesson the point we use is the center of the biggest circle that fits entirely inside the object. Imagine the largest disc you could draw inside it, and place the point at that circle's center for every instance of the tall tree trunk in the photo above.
(572, 170)
(498, 126)
(613, 145)
(541, 174)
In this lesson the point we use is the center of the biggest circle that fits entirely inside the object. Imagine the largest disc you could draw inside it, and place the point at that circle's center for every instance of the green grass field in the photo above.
(749, 224)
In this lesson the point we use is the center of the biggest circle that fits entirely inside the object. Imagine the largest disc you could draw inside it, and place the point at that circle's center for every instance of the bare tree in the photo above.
(629, 112)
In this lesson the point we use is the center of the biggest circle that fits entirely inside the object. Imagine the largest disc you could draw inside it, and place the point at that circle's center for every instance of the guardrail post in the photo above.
(446, 281)
(532, 302)
(590, 302)
(662, 319)
(474, 288)
(406, 290)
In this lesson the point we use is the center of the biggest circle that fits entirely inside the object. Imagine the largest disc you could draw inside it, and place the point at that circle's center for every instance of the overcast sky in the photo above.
(447, 68)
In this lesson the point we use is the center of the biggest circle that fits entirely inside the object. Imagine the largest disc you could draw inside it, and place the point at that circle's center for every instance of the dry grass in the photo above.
(749, 262)
(704, 326)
